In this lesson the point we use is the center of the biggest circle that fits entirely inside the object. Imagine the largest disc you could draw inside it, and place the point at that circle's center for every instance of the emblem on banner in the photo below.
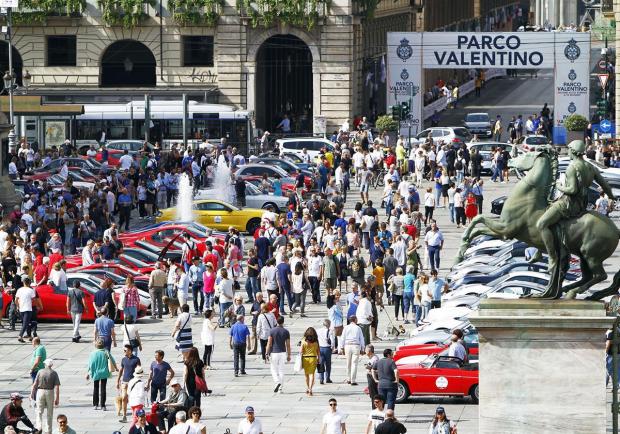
(572, 75)
(404, 75)
(404, 50)
(572, 51)
(572, 108)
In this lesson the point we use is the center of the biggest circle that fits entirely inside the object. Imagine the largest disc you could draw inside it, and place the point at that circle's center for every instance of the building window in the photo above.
(197, 50)
(61, 50)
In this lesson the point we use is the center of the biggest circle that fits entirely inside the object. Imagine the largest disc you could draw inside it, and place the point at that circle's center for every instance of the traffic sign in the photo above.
(9, 4)
(605, 126)
(602, 78)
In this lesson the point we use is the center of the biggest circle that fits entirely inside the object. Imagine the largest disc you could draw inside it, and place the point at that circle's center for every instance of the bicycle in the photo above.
(379, 179)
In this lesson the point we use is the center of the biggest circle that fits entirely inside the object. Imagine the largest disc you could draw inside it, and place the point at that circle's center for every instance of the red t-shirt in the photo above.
(54, 257)
(271, 308)
(210, 258)
(41, 274)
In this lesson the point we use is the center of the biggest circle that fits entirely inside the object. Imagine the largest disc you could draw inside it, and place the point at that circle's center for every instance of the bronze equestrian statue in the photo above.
(560, 227)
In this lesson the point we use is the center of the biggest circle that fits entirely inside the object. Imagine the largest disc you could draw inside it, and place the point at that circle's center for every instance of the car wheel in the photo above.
(402, 392)
(252, 225)
(475, 393)
(268, 204)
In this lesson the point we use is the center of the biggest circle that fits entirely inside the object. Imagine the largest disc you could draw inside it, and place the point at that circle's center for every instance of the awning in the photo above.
(31, 105)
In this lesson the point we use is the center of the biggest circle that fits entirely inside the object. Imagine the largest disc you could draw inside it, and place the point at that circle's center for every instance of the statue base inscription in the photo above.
(542, 366)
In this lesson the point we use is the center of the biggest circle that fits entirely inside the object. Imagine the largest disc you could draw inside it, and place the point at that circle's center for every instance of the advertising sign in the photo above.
(572, 80)
(404, 65)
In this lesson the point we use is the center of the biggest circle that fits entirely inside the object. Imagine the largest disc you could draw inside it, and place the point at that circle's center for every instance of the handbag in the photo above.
(121, 301)
(297, 366)
(135, 342)
(111, 365)
(178, 338)
(338, 330)
(201, 384)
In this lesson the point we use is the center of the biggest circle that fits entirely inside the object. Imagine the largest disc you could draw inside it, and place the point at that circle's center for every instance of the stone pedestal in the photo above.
(542, 366)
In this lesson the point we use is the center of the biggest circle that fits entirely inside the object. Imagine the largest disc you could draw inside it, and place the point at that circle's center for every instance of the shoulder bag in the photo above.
(178, 338)
(135, 342)
(111, 365)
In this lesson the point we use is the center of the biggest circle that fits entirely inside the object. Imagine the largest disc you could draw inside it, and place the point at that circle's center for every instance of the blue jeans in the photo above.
(433, 257)
(499, 169)
(389, 393)
(170, 290)
(437, 197)
(418, 313)
(326, 362)
(407, 302)
(289, 297)
(209, 296)
(251, 285)
(162, 392)
(131, 310)
(451, 212)
(223, 308)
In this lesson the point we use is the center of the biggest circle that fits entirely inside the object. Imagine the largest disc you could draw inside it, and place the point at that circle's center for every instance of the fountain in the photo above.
(184, 203)
(222, 182)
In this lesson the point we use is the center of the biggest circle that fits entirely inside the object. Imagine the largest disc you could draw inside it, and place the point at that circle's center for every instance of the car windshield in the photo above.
(251, 189)
(537, 141)
(428, 362)
(477, 118)
(198, 229)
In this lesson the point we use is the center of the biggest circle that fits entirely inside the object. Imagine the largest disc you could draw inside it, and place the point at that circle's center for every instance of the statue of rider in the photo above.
(572, 204)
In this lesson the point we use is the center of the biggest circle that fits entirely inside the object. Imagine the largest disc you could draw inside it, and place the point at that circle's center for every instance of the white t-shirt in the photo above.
(314, 266)
(376, 416)
(182, 428)
(358, 160)
(125, 161)
(333, 422)
(25, 295)
(247, 427)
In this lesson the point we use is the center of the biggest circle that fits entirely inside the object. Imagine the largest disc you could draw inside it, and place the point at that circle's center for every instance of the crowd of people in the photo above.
(356, 258)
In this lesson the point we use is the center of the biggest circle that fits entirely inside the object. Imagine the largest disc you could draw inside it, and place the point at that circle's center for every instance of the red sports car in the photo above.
(437, 375)
(416, 353)
(117, 272)
(55, 303)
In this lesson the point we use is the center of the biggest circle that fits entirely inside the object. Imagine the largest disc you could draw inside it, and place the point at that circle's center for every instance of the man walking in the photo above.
(196, 272)
(391, 425)
(128, 366)
(104, 329)
(239, 341)
(436, 286)
(158, 377)
(386, 375)
(333, 420)
(23, 299)
(157, 283)
(351, 344)
(377, 414)
(45, 392)
(63, 425)
(279, 351)
(38, 357)
(76, 307)
(364, 315)
(434, 243)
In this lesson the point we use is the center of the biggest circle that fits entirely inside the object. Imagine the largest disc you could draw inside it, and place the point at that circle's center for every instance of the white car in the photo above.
(96, 282)
(447, 324)
(254, 198)
(446, 135)
(531, 142)
(312, 145)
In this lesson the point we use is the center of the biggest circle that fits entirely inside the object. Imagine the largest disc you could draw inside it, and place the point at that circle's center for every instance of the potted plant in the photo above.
(386, 123)
(575, 127)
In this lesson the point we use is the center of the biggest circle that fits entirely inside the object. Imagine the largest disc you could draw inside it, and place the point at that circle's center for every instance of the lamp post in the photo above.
(9, 81)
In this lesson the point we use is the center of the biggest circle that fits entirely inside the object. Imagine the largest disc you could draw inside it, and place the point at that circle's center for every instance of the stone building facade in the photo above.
(333, 69)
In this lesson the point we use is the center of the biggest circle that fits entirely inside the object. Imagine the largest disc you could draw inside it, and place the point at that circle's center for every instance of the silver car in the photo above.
(254, 198)
(479, 124)
(486, 150)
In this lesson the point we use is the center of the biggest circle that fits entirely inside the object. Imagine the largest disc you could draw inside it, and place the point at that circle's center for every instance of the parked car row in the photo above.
(491, 269)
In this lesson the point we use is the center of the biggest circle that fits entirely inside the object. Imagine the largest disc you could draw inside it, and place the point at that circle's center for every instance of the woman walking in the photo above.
(207, 336)
(343, 257)
(299, 281)
(208, 285)
(408, 295)
(266, 321)
(99, 363)
(182, 331)
(225, 288)
(310, 355)
(429, 205)
(194, 373)
(396, 289)
(425, 298)
(132, 298)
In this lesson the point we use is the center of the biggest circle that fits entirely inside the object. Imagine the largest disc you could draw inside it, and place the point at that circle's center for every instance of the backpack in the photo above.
(192, 252)
(459, 164)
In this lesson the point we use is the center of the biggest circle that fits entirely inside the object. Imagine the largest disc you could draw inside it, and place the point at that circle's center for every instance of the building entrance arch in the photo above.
(128, 63)
(284, 83)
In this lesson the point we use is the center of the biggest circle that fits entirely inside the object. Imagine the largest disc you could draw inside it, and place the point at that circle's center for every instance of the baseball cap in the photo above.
(249, 409)
(174, 382)
(140, 412)
(440, 410)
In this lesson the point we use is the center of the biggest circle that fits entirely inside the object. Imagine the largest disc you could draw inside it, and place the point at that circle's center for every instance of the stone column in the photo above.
(561, 13)
(538, 12)
(542, 366)
(250, 71)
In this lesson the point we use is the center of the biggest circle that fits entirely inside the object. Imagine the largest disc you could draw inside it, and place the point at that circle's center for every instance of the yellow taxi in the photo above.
(220, 215)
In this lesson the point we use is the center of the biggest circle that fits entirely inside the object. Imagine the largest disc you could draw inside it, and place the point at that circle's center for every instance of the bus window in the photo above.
(211, 128)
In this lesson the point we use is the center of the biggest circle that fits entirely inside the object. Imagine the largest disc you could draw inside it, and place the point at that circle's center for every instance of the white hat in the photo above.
(48, 362)
(138, 371)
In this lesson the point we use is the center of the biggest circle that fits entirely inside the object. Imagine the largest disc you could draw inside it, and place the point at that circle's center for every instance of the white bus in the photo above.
(126, 121)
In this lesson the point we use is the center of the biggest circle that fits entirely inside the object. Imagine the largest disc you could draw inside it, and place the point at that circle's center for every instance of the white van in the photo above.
(295, 145)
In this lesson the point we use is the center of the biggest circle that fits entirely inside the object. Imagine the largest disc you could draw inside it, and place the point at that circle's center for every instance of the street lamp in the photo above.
(8, 85)
(8, 81)
(26, 79)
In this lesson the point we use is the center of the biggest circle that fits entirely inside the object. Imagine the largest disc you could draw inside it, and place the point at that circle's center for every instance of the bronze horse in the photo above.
(592, 237)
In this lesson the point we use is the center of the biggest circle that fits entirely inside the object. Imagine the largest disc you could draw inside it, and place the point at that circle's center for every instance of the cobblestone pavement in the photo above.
(287, 413)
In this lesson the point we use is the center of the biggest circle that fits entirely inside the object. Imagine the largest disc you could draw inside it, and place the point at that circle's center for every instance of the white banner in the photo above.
(404, 77)
(464, 50)
(572, 80)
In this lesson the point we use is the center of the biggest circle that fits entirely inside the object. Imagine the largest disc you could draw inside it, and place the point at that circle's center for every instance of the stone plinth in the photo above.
(542, 366)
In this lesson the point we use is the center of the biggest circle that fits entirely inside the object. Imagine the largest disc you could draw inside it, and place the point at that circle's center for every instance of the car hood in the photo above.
(478, 124)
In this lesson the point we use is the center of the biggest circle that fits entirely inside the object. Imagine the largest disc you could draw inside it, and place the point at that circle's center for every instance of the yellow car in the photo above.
(220, 215)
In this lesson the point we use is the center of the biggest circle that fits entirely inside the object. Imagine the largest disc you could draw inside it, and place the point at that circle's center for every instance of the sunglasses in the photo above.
(62, 422)
(333, 404)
